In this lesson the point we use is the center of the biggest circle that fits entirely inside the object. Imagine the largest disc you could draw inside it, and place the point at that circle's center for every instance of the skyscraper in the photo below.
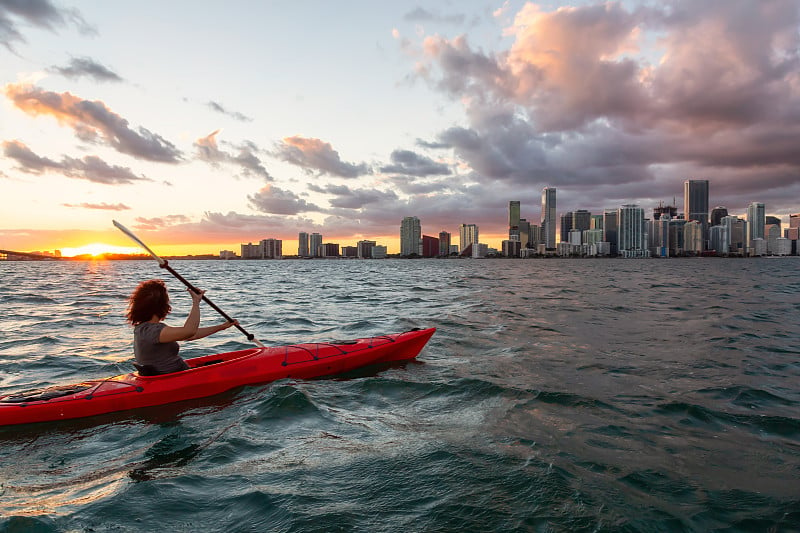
(566, 226)
(717, 214)
(756, 220)
(444, 243)
(610, 228)
(632, 234)
(430, 246)
(513, 220)
(737, 234)
(468, 235)
(364, 249)
(513, 213)
(271, 248)
(549, 219)
(695, 203)
(410, 237)
(581, 220)
(302, 244)
(315, 241)
(524, 232)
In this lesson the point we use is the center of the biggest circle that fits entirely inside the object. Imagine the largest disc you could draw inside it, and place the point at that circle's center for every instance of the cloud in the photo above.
(420, 14)
(611, 103)
(214, 106)
(101, 206)
(88, 67)
(40, 13)
(413, 164)
(90, 167)
(272, 200)
(347, 198)
(208, 151)
(157, 223)
(316, 155)
(258, 226)
(92, 120)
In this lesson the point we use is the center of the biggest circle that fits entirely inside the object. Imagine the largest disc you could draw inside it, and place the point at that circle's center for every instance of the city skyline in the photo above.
(441, 112)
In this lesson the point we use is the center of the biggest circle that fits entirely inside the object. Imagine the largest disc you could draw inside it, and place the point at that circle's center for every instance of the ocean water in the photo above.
(556, 395)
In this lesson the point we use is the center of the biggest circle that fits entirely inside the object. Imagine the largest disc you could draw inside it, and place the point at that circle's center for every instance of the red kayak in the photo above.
(207, 376)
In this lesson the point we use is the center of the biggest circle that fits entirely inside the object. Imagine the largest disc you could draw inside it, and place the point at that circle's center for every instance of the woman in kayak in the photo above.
(155, 345)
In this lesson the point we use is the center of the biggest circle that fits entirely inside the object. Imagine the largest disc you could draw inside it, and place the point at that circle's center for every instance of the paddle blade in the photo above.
(136, 239)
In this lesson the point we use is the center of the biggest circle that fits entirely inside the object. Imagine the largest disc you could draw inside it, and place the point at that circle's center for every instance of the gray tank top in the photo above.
(162, 356)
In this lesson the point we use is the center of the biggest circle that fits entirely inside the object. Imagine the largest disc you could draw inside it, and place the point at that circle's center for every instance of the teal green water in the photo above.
(556, 395)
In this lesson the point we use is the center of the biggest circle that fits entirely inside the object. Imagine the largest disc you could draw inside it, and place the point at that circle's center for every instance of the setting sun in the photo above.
(97, 249)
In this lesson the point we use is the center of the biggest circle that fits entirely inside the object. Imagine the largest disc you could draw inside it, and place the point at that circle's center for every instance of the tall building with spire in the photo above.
(549, 219)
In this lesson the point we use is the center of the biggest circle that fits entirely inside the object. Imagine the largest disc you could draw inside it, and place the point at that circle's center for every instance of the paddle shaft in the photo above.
(165, 266)
(163, 263)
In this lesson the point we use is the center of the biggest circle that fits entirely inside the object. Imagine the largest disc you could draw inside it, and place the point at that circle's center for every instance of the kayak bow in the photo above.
(207, 376)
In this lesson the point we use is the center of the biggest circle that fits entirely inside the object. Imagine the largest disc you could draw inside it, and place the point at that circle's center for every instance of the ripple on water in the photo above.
(555, 396)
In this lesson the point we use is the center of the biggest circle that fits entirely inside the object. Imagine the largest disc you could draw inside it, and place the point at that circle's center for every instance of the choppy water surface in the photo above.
(557, 395)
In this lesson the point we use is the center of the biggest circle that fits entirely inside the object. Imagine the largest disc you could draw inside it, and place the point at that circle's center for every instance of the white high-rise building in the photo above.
(410, 237)
(632, 234)
(549, 219)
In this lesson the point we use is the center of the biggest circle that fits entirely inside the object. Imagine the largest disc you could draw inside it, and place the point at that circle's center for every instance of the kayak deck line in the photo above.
(209, 375)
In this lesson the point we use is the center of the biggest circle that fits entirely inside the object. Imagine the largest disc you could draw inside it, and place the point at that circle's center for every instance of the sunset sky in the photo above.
(203, 125)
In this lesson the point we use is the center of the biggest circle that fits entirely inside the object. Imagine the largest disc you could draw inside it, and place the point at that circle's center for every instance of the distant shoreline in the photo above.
(27, 258)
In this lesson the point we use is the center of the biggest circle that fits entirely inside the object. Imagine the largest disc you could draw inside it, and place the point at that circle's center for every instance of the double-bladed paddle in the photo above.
(165, 265)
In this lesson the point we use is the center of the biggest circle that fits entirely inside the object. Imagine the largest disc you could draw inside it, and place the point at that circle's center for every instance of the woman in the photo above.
(155, 345)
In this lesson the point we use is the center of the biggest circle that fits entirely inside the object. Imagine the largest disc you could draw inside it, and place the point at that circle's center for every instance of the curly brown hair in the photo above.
(148, 299)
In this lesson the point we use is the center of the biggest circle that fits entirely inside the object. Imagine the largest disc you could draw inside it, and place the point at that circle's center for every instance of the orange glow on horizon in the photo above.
(97, 249)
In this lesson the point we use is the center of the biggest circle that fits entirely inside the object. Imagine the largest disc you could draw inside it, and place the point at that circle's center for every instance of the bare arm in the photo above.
(210, 330)
(189, 328)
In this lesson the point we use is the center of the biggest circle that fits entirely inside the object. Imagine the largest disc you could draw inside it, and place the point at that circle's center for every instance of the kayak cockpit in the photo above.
(147, 371)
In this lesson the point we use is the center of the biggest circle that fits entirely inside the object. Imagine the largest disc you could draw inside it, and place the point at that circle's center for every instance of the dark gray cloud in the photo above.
(275, 201)
(347, 198)
(215, 106)
(90, 167)
(317, 157)
(80, 67)
(413, 164)
(40, 13)
(93, 121)
(245, 156)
